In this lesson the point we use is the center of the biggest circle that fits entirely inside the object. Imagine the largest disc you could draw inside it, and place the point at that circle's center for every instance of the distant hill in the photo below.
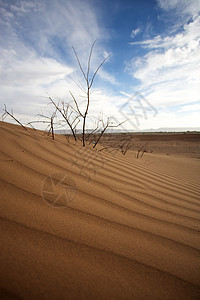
(162, 129)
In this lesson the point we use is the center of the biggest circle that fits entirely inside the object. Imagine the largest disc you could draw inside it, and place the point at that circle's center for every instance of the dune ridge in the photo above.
(131, 229)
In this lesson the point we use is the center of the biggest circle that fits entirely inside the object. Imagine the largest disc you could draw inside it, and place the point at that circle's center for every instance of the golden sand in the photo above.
(81, 224)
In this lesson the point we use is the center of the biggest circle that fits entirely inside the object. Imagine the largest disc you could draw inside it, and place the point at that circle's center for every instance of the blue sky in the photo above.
(152, 77)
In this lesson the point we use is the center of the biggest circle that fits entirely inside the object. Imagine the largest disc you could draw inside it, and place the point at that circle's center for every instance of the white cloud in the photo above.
(37, 59)
(180, 6)
(51, 28)
(135, 32)
(130, 110)
(30, 71)
(171, 119)
(177, 12)
(108, 77)
(36, 50)
(26, 79)
(170, 74)
(23, 7)
(193, 107)
(190, 34)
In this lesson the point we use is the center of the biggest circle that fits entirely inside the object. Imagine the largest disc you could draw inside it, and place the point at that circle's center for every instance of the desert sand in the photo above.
(78, 223)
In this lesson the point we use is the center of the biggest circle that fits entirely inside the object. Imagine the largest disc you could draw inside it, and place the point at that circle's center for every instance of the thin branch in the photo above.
(31, 126)
(78, 85)
(80, 66)
(89, 84)
(39, 121)
(52, 129)
(50, 122)
(76, 104)
(11, 115)
(77, 122)
(104, 129)
(139, 150)
(92, 132)
(125, 147)
(89, 59)
(95, 73)
(64, 116)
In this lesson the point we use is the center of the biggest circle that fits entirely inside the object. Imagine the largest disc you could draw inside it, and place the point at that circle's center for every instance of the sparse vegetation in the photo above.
(125, 146)
(141, 151)
(47, 120)
(70, 114)
(89, 80)
(11, 114)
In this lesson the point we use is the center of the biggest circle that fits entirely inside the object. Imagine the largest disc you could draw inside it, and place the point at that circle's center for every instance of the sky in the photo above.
(151, 79)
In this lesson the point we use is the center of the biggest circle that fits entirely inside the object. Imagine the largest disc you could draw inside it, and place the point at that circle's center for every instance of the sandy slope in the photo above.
(130, 231)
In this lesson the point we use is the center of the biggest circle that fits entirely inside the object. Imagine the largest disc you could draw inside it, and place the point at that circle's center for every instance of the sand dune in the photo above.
(82, 224)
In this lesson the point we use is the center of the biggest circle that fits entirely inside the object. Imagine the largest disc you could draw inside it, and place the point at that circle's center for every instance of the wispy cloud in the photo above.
(193, 107)
(180, 7)
(170, 72)
(50, 28)
(36, 49)
(135, 32)
(37, 60)
(176, 13)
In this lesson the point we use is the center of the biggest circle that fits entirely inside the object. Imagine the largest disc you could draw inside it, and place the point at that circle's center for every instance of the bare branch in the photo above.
(80, 66)
(52, 129)
(92, 132)
(78, 85)
(12, 116)
(139, 150)
(105, 126)
(31, 126)
(95, 73)
(89, 59)
(76, 104)
(65, 117)
(89, 84)
(50, 122)
(125, 147)
(39, 121)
